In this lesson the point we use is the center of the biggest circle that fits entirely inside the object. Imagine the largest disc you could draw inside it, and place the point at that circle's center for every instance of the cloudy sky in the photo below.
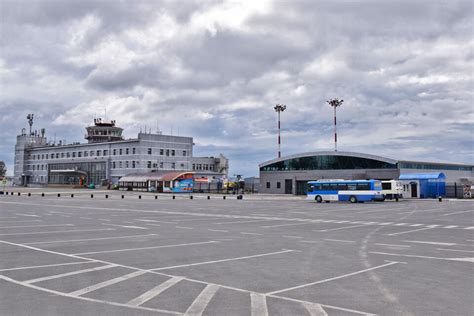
(215, 69)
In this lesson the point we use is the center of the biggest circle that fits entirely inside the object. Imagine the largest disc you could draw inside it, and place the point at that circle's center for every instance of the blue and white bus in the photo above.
(345, 190)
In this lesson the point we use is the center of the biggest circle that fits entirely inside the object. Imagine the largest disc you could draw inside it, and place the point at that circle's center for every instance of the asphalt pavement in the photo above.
(147, 254)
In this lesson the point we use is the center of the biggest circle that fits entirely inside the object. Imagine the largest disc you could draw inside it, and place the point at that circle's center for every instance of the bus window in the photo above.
(363, 186)
(310, 188)
(386, 185)
(325, 187)
(342, 186)
(333, 186)
(351, 187)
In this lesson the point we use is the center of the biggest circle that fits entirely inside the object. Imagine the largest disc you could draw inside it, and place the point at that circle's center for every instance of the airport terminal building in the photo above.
(290, 174)
(106, 157)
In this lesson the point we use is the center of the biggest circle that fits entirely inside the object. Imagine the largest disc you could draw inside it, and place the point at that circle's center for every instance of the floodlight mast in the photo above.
(335, 103)
(279, 108)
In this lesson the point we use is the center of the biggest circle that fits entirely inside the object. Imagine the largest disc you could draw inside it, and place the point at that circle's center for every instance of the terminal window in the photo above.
(268, 185)
(278, 185)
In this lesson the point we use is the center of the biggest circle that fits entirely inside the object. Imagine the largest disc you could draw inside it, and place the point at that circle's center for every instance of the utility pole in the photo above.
(335, 103)
(279, 108)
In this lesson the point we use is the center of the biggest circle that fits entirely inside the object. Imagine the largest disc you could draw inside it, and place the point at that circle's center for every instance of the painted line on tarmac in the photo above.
(125, 226)
(457, 250)
(455, 213)
(106, 283)
(21, 221)
(224, 260)
(144, 248)
(90, 239)
(202, 300)
(47, 265)
(315, 309)
(218, 230)
(258, 304)
(334, 278)
(184, 227)
(392, 245)
(339, 240)
(30, 226)
(59, 231)
(469, 259)
(247, 233)
(157, 290)
(339, 228)
(57, 293)
(57, 276)
(409, 231)
(431, 242)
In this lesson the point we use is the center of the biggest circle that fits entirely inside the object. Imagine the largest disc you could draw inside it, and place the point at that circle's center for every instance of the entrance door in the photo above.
(414, 190)
(288, 186)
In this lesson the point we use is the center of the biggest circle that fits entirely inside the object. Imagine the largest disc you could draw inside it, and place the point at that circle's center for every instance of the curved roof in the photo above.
(422, 176)
(329, 153)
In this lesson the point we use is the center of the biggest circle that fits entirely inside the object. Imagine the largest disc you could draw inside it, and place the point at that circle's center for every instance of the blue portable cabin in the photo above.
(431, 185)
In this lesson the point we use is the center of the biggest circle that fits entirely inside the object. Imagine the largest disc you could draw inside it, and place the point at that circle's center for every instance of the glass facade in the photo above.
(71, 173)
(327, 163)
(428, 166)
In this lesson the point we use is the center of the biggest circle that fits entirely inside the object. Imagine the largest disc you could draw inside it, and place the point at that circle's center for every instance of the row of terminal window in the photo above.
(198, 166)
(135, 164)
(104, 152)
(278, 185)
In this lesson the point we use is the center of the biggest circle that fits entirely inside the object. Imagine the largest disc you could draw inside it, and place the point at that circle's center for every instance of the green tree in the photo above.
(3, 169)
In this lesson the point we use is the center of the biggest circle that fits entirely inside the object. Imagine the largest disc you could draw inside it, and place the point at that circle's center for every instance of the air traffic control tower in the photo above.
(103, 131)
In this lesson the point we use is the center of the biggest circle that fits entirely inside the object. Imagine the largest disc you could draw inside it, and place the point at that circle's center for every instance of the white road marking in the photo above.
(472, 227)
(416, 225)
(401, 224)
(259, 304)
(31, 215)
(432, 226)
(457, 250)
(334, 278)
(47, 265)
(29, 226)
(454, 213)
(387, 223)
(157, 290)
(58, 231)
(451, 226)
(22, 221)
(242, 222)
(246, 233)
(339, 240)
(106, 283)
(287, 236)
(57, 276)
(90, 239)
(391, 245)
(184, 227)
(200, 303)
(423, 257)
(125, 226)
(431, 242)
(218, 230)
(144, 248)
(57, 293)
(315, 309)
(409, 231)
(283, 225)
(224, 260)
(339, 228)
(156, 221)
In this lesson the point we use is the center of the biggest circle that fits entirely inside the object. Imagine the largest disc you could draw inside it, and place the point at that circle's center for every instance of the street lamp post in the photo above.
(279, 108)
(335, 103)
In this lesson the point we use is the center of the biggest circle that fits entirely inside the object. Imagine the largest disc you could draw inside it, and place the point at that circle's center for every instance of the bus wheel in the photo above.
(319, 199)
(353, 199)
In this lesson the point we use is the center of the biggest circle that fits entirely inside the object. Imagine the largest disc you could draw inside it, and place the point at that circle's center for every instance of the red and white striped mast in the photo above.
(335, 103)
(279, 108)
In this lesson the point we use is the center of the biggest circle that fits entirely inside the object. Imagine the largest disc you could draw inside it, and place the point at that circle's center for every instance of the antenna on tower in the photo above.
(30, 121)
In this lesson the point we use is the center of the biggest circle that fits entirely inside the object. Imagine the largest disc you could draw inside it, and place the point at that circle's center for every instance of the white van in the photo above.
(392, 189)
